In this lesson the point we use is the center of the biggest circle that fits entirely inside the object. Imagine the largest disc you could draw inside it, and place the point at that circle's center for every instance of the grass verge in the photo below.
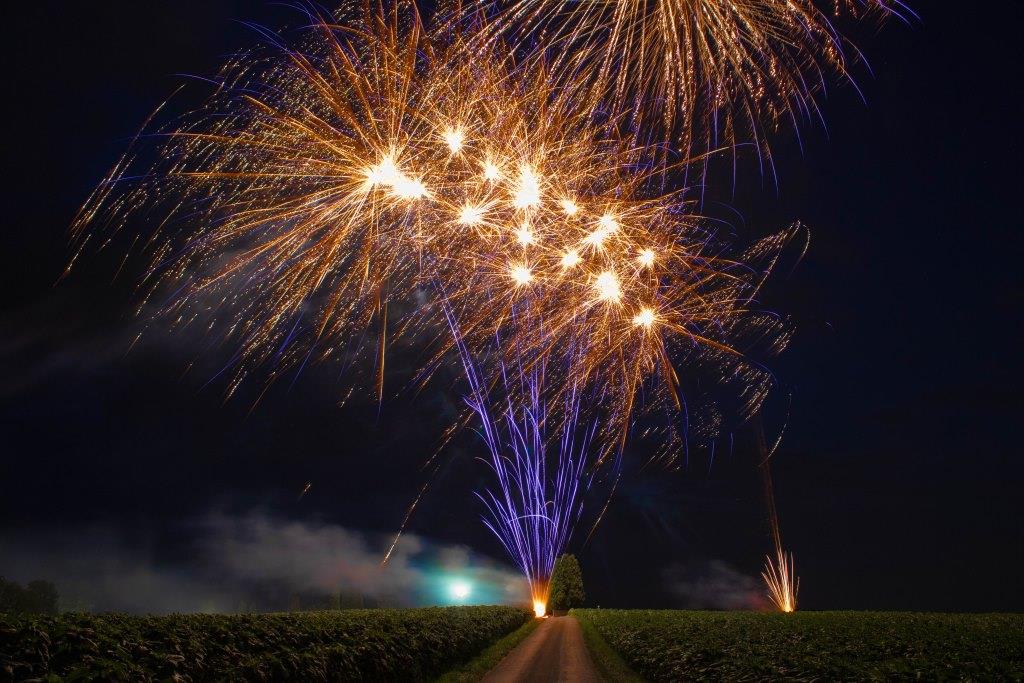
(608, 662)
(477, 668)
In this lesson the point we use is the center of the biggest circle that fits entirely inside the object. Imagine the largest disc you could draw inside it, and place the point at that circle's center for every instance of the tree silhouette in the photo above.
(566, 584)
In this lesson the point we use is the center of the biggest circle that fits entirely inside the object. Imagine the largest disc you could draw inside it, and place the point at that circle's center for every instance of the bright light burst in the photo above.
(491, 170)
(521, 274)
(454, 137)
(525, 235)
(314, 188)
(460, 590)
(645, 317)
(472, 215)
(607, 287)
(319, 185)
(527, 194)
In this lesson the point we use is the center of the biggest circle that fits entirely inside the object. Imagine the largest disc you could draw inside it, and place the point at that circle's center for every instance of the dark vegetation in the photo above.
(670, 645)
(377, 644)
(38, 597)
(477, 668)
(607, 661)
(566, 584)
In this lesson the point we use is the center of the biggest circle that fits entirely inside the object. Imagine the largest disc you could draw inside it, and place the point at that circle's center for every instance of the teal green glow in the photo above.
(460, 590)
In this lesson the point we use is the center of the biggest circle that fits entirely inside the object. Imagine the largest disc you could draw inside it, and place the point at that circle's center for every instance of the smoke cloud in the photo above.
(253, 562)
(714, 584)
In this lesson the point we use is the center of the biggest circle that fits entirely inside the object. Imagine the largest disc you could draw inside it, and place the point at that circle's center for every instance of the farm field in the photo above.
(673, 645)
(371, 644)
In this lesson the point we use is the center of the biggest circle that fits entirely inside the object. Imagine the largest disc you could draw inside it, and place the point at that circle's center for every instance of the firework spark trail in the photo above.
(265, 191)
(537, 499)
(696, 68)
(585, 323)
(373, 164)
(779, 573)
(316, 188)
(780, 576)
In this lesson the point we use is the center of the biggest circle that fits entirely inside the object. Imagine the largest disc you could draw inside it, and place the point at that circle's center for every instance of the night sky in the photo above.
(900, 476)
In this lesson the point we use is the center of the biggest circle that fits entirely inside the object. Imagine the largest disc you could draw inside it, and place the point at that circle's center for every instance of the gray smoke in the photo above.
(252, 562)
(714, 584)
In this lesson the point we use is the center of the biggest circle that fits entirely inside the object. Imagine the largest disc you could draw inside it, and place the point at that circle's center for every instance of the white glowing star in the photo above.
(570, 259)
(527, 189)
(520, 274)
(644, 318)
(607, 286)
(454, 138)
(471, 215)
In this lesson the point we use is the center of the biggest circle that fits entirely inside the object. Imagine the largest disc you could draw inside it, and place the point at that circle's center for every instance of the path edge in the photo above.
(478, 667)
(607, 661)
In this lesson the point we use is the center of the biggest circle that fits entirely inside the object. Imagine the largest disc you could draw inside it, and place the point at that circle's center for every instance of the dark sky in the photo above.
(900, 475)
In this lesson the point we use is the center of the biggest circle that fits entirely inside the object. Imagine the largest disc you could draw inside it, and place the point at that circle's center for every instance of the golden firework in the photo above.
(695, 68)
(373, 164)
(780, 577)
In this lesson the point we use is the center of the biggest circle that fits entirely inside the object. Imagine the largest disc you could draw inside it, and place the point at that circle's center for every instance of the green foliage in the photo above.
(39, 597)
(381, 644)
(566, 584)
(670, 645)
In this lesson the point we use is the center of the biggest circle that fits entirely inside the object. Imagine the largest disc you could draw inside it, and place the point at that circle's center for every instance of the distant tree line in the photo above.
(38, 597)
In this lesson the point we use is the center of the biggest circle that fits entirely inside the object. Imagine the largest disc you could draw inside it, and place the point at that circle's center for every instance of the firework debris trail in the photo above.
(779, 572)
(375, 180)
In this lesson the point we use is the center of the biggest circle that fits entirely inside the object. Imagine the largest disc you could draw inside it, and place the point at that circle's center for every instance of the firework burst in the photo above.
(270, 217)
(373, 163)
(706, 68)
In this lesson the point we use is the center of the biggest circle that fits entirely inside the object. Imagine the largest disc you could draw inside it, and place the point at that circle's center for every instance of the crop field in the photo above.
(373, 644)
(672, 645)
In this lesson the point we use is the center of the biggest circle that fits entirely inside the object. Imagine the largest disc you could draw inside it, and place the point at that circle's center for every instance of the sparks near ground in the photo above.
(780, 577)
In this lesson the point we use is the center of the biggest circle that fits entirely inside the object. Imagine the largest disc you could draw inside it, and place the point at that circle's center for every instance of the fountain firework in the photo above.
(538, 479)
(780, 576)
(779, 573)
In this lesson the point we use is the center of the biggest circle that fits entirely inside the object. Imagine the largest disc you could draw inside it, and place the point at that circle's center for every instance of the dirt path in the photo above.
(554, 652)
